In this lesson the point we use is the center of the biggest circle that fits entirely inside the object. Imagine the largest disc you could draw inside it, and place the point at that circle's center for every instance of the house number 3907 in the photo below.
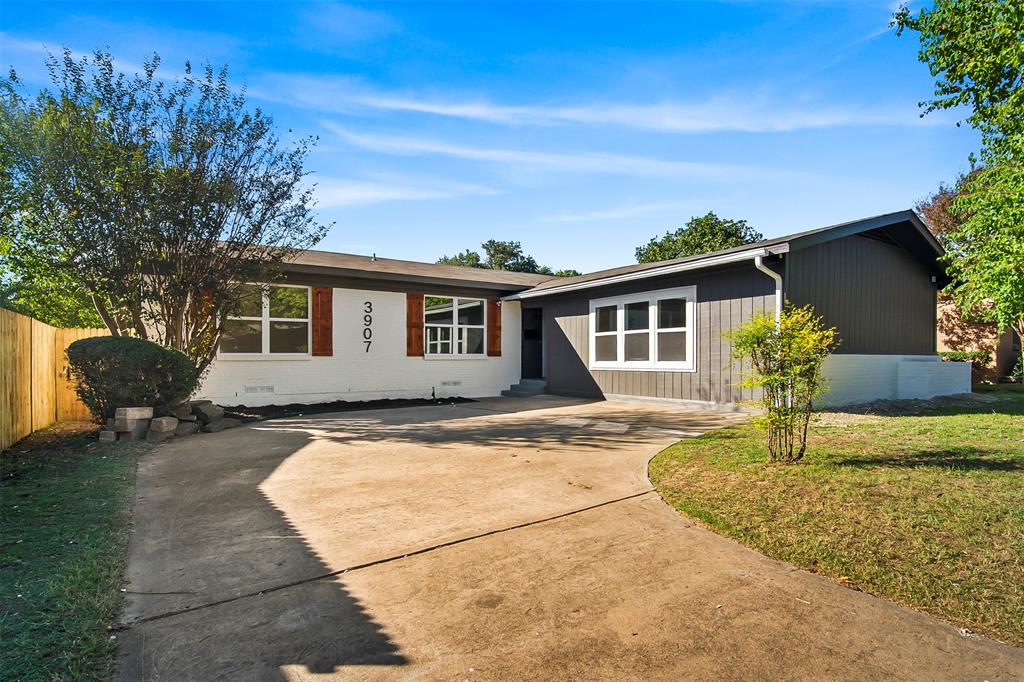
(368, 324)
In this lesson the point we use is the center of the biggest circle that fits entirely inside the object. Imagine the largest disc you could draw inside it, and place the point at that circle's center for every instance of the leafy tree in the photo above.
(159, 197)
(702, 234)
(467, 259)
(507, 256)
(51, 297)
(501, 255)
(786, 360)
(975, 49)
(985, 253)
(937, 210)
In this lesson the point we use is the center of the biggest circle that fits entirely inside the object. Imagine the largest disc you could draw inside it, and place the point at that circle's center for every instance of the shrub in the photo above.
(978, 357)
(122, 371)
(786, 359)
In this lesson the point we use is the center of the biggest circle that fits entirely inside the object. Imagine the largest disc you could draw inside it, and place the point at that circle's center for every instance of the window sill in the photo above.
(641, 368)
(440, 356)
(263, 357)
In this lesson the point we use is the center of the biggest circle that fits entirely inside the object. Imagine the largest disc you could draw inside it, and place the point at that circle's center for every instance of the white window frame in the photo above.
(265, 319)
(651, 298)
(455, 327)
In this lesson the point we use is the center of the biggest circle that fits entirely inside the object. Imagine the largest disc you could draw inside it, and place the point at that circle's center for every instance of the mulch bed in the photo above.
(263, 412)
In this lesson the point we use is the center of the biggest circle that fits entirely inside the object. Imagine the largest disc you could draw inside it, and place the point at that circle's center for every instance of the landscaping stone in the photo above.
(183, 412)
(133, 413)
(187, 418)
(163, 424)
(157, 436)
(221, 424)
(108, 436)
(186, 428)
(206, 411)
(132, 435)
(130, 424)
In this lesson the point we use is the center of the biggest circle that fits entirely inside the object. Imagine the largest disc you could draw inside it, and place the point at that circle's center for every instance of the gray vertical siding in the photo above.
(878, 296)
(725, 298)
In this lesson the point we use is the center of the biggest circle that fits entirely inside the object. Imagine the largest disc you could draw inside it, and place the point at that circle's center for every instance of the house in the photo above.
(344, 327)
(959, 335)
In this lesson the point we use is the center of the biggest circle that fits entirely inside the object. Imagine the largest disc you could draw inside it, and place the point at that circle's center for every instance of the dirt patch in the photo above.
(908, 407)
(261, 412)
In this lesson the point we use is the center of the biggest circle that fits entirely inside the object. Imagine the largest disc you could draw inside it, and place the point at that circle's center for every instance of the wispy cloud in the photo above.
(12, 47)
(334, 22)
(614, 213)
(602, 163)
(340, 193)
(722, 112)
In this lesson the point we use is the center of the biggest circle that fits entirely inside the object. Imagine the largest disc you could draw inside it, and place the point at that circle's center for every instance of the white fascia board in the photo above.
(654, 272)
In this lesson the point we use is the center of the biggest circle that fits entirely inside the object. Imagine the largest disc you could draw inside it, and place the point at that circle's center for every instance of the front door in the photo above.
(533, 343)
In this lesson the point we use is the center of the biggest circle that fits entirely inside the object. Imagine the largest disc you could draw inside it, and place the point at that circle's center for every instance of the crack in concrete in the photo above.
(378, 562)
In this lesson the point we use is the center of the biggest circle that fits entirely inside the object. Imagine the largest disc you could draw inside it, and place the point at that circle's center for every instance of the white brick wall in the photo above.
(863, 378)
(352, 373)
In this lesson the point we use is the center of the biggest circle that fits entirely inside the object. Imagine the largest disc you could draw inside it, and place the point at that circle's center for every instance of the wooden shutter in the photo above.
(414, 325)
(493, 328)
(323, 321)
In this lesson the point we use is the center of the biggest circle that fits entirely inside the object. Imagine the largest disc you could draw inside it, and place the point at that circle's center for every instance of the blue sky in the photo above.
(580, 130)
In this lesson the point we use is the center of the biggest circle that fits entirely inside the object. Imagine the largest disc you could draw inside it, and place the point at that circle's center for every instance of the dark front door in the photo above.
(533, 343)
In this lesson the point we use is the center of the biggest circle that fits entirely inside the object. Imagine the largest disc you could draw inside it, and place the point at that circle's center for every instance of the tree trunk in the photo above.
(105, 315)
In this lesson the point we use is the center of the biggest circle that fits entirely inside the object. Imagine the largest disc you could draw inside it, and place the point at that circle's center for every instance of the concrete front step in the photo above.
(527, 388)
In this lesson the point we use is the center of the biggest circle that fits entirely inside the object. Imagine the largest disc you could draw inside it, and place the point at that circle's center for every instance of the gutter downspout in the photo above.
(759, 264)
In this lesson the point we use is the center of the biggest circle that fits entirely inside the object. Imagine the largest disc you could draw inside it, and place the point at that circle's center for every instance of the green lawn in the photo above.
(65, 500)
(925, 509)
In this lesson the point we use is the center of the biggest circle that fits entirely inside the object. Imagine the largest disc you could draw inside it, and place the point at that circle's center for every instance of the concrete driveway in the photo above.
(502, 539)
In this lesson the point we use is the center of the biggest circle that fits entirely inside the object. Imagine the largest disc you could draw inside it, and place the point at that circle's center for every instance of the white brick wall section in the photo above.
(863, 378)
(353, 373)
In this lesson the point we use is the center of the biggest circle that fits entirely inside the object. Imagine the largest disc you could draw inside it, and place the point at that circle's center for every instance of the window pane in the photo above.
(438, 310)
(472, 340)
(672, 347)
(636, 316)
(671, 313)
(638, 346)
(242, 336)
(606, 318)
(606, 348)
(439, 340)
(471, 311)
(289, 337)
(290, 302)
(250, 304)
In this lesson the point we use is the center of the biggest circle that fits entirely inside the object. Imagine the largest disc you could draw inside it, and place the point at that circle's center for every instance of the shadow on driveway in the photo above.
(208, 561)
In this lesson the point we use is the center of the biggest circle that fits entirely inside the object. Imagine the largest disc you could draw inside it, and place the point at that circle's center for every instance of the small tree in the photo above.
(158, 198)
(786, 360)
(702, 234)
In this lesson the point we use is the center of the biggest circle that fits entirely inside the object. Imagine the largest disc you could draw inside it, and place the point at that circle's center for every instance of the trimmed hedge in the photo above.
(978, 357)
(122, 371)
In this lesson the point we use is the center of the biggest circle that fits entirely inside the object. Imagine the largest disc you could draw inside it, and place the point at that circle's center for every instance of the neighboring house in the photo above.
(356, 328)
(957, 334)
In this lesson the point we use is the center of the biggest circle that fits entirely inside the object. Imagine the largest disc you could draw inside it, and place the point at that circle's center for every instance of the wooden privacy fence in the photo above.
(34, 389)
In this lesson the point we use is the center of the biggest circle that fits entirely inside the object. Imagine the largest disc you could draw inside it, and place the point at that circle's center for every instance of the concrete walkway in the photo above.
(503, 539)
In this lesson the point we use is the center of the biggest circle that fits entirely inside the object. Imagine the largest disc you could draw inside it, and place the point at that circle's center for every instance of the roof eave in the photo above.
(325, 270)
(696, 264)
